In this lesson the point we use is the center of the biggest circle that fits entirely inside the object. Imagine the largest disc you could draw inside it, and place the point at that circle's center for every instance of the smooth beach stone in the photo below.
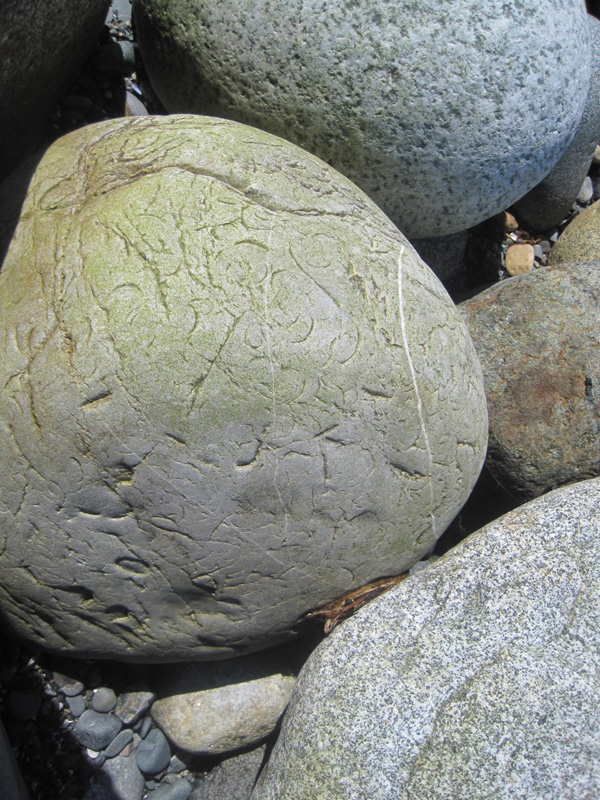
(231, 392)
(444, 113)
(550, 201)
(478, 677)
(42, 47)
(538, 339)
(580, 240)
(222, 706)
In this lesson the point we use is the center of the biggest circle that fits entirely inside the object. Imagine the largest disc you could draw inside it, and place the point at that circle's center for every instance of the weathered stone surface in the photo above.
(230, 393)
(444, 113)
(538, 340)
(580, 240)
(224, 706)
(42, 46)
(550, 201)
(477, 677)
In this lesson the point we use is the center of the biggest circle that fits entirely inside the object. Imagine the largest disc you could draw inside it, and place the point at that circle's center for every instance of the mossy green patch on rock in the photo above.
(231, 393)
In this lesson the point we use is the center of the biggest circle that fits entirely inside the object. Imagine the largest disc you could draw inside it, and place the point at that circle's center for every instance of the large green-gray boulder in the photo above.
(445, 113)
(230, 392)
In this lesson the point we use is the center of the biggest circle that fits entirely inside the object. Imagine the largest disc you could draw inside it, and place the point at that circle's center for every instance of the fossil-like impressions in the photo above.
(230, 392)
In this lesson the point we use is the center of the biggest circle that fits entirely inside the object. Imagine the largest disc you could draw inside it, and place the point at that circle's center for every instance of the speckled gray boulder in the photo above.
(538, 339)
(231, 391)
(42, 47)
(551, 200)
(476, 678)
(580, 240)
(444, 113)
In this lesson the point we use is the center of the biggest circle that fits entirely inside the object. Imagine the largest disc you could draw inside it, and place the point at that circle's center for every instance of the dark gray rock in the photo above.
(538, 339)
(42, 47)
(153, 753)
(104, 699)
(118, 779)
(11, 780)
(67, 685)
(95, 730)
(119, 743)
(179, 790)
(474, 101)
(476, 678)
(445, 255)
(309, 411)
(550, 201)
(76, 705)
(131, 706)
(233, 779)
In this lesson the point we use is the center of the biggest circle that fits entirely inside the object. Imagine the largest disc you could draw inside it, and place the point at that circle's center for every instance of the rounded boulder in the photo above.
(538, 339)
(231, 392)
(444, 113)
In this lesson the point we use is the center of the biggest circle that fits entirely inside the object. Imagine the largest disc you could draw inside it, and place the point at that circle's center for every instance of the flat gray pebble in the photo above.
(95, 730)
(68, 686)
(120, 741)
(145, 727)
(131, 706)
(153, 753)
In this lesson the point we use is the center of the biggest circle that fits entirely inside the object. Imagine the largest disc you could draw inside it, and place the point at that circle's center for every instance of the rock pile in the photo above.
(231, 392)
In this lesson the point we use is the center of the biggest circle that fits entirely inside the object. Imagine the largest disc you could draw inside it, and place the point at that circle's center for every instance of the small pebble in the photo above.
(134, 106)
(596, 158)
(76, 705)
(104, 699)
(95, 730)
(538, 252)
(519, 259)
(119, 743)
(177, 765)
(153, 753)
(586, 192)
(145, 727)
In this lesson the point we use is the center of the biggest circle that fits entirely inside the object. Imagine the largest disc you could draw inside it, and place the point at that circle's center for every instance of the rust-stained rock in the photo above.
(538, 340)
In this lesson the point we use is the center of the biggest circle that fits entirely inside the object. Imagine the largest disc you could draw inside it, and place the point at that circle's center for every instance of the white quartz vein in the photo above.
(413, 376)
(269, 275)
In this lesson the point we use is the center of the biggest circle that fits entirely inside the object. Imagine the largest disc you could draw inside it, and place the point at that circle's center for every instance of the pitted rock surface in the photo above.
(475, 101)
(475, 678)
(231, 392)
(538, 340)
(549, 202)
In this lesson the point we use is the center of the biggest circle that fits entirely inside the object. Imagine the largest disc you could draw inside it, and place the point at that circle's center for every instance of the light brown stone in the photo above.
(519, 259)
